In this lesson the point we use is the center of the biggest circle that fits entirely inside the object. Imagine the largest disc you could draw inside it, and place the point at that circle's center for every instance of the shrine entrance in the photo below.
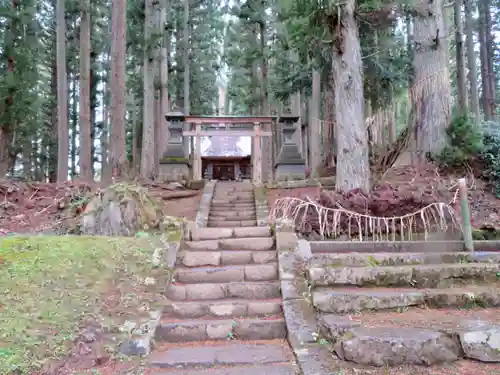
(231, 167)
(283, 157)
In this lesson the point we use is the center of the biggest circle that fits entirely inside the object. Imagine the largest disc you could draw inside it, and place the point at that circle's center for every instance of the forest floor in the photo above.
(49, 207)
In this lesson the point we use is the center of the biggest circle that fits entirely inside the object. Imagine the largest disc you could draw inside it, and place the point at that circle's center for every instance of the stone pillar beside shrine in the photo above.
(290, 164)
(174, 164)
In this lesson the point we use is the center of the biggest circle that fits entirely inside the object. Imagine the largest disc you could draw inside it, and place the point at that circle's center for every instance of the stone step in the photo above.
(232, 207)
(271, 369)
(222, 219)
(417, 276)
(238, 215)
(228, 354)
(223, 308)
(200, 234)
(268, 328)
(231, 224)
(233, 201)
(249, 243)
(232, 215)
(228, 199)
(370, 247)
(352, 300)
(233, 193)
(227, 274)
(395, 259)
(239, 205)
(475, 332)
(382, 346)
(237, 290)
(224, 258)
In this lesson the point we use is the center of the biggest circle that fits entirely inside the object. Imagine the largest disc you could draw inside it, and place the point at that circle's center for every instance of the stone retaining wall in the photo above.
(205, 202)
(398, 246)
(293, 254)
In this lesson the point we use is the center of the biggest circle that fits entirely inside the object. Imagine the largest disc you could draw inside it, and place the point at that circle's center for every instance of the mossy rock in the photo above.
(121, 210)
(195, 184)
(486, 232)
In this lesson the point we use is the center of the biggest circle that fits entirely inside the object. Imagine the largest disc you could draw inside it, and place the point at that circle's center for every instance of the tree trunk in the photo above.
(430, 94)
(73, 123)
(329, 142)
(267, 151)
(471, 58)
(164, 106)
(148, 123)
(52, 142)
(484, 38)
(106, 172)
(62, 95)
(85, 117)
(353, 169)
(187, 63)
(179, 64)
(314, 124)
(461, 82)
(490, 55)
(118, 155)
(187, 74)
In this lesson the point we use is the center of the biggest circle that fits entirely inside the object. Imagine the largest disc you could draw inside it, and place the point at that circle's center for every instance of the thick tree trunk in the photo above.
(85, 116)
(353, 169)
(148, 123)
(62, 95)
(118, 155)
(471, 58)
(431, 91)
(461, 82)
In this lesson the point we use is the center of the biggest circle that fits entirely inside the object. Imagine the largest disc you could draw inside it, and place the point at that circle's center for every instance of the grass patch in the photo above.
(52, 287)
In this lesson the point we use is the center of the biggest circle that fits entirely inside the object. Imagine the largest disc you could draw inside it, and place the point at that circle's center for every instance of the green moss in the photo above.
(486, 234)
(52, 286)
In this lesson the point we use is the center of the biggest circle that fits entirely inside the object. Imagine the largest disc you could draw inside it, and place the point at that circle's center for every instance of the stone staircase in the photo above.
(401, 308)
(224, 313)
(233, 205)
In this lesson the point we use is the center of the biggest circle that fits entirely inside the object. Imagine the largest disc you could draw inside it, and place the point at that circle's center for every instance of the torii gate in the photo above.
(256, 133)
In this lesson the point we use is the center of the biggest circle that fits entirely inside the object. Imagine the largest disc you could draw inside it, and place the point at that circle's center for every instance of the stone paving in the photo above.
(224, 313)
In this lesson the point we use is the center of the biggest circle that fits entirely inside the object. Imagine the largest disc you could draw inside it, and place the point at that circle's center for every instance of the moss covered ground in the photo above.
(52, 287)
